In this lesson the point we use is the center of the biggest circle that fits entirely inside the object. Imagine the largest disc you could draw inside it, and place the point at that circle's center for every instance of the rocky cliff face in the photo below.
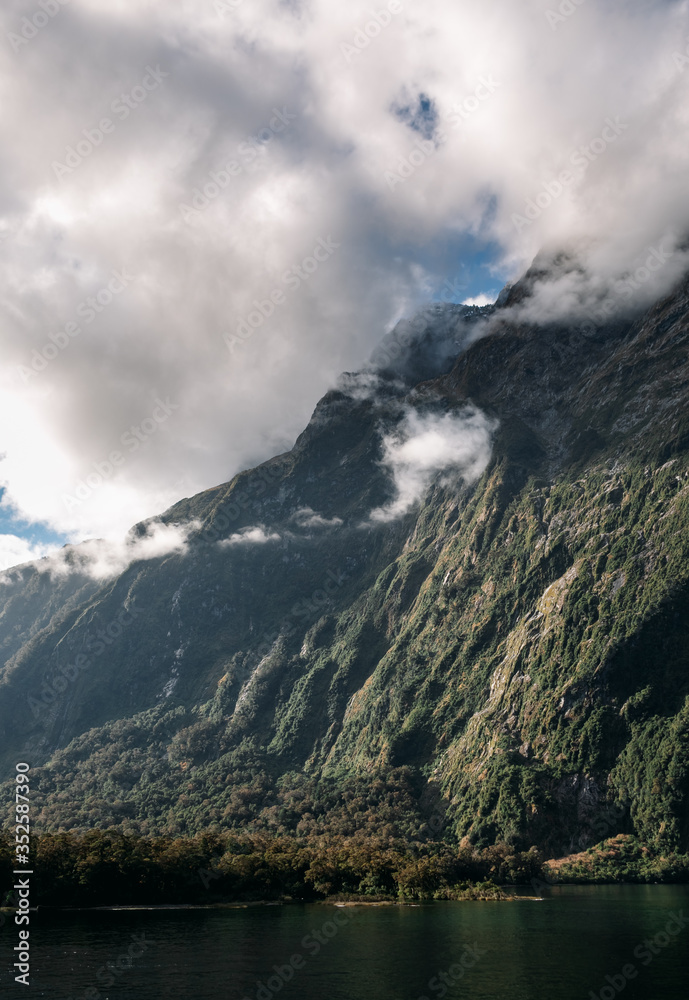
(460, 601)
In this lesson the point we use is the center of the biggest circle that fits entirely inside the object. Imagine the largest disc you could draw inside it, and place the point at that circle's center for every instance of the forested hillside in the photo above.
(358, 636)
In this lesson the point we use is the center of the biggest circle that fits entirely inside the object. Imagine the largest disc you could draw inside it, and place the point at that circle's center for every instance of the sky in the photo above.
(210, 208)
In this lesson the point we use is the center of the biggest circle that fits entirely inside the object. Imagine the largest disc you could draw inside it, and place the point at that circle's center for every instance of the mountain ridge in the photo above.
(506, 654)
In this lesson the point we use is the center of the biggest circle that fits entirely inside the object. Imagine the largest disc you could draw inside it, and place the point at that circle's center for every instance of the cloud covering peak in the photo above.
(209, 210)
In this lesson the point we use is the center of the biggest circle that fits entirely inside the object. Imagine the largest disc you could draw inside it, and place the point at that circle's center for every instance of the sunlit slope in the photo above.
(509, 655)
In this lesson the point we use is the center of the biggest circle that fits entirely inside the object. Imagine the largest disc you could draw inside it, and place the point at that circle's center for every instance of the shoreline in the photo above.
(43, 909)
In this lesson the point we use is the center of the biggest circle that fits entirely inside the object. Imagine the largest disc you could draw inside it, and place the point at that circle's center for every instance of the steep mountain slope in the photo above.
(503, 659)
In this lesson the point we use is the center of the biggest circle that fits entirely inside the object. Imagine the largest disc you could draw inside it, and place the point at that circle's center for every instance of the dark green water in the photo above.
(563, 947)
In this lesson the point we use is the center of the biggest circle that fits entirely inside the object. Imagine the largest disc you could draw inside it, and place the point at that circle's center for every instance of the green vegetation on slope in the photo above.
(505, 663)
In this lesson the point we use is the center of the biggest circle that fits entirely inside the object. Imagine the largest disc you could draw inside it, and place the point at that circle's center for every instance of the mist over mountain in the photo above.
(230, 202)
(462, 594)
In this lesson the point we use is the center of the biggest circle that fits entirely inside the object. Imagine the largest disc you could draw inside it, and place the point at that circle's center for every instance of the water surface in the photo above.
(563, 947)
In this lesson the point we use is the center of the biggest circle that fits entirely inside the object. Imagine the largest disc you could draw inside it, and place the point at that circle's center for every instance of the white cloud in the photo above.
(308, 518)
(425, 445)
(102, 559)
(587, 289)
(276, 194)
(15, 550)
(485, 299)
(250, 536)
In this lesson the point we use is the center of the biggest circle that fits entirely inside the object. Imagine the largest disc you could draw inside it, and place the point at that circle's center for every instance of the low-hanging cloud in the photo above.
(256, 535)
(103, 559)
(336, 168)
(305, 517)
(15, 550)
(425, 445)
(579, 289)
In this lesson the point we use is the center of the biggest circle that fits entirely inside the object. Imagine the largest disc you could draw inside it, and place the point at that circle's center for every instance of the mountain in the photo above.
(458, 607)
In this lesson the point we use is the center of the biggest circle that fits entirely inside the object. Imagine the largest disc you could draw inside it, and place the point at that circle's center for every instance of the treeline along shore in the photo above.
(103, 868)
